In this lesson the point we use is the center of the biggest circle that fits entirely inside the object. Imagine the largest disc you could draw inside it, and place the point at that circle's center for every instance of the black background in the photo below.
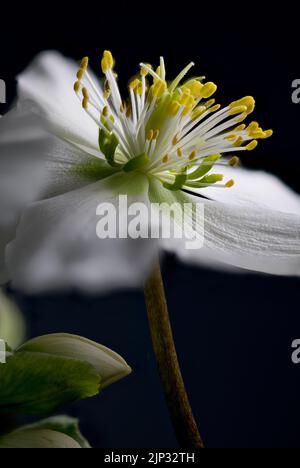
(233, 333)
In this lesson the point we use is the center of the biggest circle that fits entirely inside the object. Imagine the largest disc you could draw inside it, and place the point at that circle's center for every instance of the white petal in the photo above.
(251, 238)
(48, 85)
(256, 188)
(22, 146)
(68, 168)
(248, 237)
(56, 245)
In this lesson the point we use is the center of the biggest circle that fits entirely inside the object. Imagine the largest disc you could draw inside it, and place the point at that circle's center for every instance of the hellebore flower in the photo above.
(168, 142)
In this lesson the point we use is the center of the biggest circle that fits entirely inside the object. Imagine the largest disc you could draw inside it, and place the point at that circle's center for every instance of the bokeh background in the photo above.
(233, 333)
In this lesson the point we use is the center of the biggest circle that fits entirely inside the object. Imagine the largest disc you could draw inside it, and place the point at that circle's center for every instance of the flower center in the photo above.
(173, 131)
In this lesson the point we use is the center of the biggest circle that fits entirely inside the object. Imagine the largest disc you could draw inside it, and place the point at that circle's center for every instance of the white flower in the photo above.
(162, 145)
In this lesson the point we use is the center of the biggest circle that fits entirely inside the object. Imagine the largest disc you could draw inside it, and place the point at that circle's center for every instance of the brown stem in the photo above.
(181, 414)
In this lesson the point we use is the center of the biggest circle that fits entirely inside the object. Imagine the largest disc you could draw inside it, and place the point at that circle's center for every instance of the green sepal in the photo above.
(108, 143)
(179, 182)
(205, 181)
(206, 165)
(136, 163)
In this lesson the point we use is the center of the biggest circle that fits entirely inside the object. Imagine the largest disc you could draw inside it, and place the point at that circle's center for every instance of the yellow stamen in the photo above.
(76, 86)
(240, 128)
(105, 111)
(192, 155)
(179, 152)
(107, 61)
(155, 134)
(145, 69)
(197, 112)
(208, 89)
(246, 101)
(165, 159)
(233, 162)
(175, 140)
(80, 74)
(237, 110)
(209, 103)
(230, 183)
(85, 103)
(215, 108)
(238, 142)
(85, 93)
(174, 108)
(84, 63)
(251, 146)
(150, 135)
(159, 88)
(230, 138)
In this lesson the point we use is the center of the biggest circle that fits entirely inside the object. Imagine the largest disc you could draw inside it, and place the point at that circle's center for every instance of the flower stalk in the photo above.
(180, 410)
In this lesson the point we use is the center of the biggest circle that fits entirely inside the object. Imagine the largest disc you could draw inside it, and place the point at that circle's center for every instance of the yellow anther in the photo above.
(175, 140)
(230, 138)
(155, 134)
(237, 110)
(251, 146)
(246, 101)
(268, 133)
(135, 84)
(179, 152)
(159, 88)
(197, 112)
(105, 111)
(230, 183)
(240, 128)
(215, 108)
(233, 162)
(258, 134)
(85, 93)
(209, 103)
(192, 155)
(128, 112)
(174, 107)
(194, 86)
(85, 103)
(238, 142)
(253, 126)
(107, 61)
(84, 63)
(122, 108)
(241, 117)
(166, 159)
(187, 110)
(208, 89)
(76, 86)
(80, 74)
(145, 69)
(150, 135)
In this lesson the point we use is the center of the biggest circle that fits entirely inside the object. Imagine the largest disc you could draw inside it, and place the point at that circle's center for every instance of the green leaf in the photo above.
(63, 425)
(50, 371)
(108, 143)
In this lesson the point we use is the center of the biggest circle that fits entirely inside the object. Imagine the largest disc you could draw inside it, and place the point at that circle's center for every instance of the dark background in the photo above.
(233, 333)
